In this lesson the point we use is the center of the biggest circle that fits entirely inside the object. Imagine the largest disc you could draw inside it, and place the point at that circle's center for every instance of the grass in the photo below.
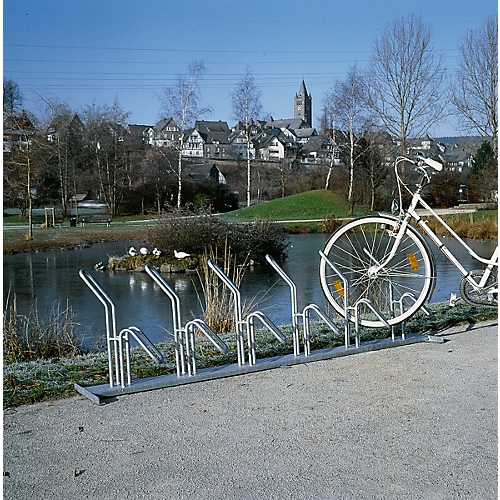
(32, 381)
(46, 239)
(303, 206)
(481, 225)
(27, 338)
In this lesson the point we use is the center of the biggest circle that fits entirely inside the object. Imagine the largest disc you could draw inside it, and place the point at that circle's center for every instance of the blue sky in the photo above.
(81, 51)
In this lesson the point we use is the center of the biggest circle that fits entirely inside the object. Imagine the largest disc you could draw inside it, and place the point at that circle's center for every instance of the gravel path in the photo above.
(417, 422)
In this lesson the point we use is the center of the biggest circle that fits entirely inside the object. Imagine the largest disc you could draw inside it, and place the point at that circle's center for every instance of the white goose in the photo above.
(132, 252)
(156, 252)
(181, 255)
(144, 251)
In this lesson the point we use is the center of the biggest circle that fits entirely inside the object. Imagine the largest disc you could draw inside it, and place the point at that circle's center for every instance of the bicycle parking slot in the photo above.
(118, 361)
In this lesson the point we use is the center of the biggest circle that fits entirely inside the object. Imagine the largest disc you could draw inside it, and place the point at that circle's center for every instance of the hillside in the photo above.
(302, 206)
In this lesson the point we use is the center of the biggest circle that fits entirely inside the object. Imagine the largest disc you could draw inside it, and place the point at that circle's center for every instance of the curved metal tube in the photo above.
(110, 316)
(306, 314)
(240, 341)
(294, 302)
(176, 316)
(251, 333)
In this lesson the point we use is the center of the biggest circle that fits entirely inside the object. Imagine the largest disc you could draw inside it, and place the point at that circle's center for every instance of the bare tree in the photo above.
(373, 170)
(12, 99)
(405, 81)
(245, 100)
(328, 132)
(22, 164)
(181, 102)
(347, 104)
(108, 147)
(475, 91)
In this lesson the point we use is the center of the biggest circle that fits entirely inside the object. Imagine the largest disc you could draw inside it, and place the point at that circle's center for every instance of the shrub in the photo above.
(200, 235)
(331, 223)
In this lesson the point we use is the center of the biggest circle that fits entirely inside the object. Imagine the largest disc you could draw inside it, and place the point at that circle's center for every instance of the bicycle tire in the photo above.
(483, 296)
(410, 271)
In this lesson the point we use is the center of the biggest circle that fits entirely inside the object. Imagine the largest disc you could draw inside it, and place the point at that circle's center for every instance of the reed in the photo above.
(218, 301)
(467, 226)
(27, 338)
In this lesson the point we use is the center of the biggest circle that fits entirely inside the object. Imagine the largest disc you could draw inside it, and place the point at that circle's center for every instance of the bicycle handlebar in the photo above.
(428, 161)
(433, 163)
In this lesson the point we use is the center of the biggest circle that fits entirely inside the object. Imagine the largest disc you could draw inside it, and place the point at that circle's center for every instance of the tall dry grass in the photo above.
(27, 338)
(218, 302)
(467, 227)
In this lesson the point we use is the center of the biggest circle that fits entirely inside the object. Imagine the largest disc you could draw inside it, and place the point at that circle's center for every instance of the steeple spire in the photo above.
(303, 105)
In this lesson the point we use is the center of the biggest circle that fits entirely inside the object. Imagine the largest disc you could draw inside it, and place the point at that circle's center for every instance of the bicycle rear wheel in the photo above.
(397, 290)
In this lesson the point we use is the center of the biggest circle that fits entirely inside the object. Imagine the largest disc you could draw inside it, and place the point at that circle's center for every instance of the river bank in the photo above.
(474, 225)
(48, 379)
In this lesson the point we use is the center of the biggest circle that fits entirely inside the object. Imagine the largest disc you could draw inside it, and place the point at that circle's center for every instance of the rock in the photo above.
(165, 268)
(176, 269)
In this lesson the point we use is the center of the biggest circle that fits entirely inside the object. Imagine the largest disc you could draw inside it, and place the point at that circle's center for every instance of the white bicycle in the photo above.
(383, 261)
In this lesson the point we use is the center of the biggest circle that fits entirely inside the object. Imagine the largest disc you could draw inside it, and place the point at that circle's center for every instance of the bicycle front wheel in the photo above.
(397, 288)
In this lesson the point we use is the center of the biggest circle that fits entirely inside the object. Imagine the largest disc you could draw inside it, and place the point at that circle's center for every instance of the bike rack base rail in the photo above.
(101, 394)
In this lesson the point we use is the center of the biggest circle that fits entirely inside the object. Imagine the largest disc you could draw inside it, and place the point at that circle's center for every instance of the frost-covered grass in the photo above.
(28, 382)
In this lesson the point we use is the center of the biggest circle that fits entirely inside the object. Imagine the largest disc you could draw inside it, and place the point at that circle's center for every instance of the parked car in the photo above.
(92, 204)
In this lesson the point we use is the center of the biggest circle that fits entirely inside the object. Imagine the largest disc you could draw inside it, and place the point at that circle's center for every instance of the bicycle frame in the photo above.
(411, 213)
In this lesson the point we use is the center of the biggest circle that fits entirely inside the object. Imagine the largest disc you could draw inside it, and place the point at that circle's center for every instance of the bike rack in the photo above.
(248, 322)
(305, 316)
(117, 343)
(184, 339)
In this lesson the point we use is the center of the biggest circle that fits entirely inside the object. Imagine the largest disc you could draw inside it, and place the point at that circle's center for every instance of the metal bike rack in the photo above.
(305, 315)
(184, 338)
(248, 322)
(119, 342)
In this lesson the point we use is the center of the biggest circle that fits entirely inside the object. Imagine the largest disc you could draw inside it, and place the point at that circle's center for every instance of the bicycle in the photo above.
(383, 261)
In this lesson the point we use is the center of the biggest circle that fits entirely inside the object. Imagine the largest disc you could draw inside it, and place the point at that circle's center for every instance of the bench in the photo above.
(47, 221)
(95, 219)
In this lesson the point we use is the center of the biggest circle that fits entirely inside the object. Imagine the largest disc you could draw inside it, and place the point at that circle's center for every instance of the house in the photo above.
(17, 132)
(238, 139)
(204, 171)
(166, 133)
(208, 139)
(319, 150)
(274, 145)
(193, 145)
(294, 130)
(64, 124)
(141, 133)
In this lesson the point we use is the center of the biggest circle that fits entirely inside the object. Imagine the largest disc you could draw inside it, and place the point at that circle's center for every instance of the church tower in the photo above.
(302, 107)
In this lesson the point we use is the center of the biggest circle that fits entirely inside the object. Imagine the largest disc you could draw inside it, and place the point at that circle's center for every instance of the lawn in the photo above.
(303, 206)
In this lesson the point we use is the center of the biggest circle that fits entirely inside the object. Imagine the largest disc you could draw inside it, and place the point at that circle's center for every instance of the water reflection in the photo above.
(47, 278)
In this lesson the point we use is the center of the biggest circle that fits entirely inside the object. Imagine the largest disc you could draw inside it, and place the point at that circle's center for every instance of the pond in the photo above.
(49, 279)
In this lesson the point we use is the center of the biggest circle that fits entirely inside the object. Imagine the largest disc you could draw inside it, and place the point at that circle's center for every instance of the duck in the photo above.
(156, 252)
(144, 251)
(181, 255)
(99, 266)
(132, 252)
